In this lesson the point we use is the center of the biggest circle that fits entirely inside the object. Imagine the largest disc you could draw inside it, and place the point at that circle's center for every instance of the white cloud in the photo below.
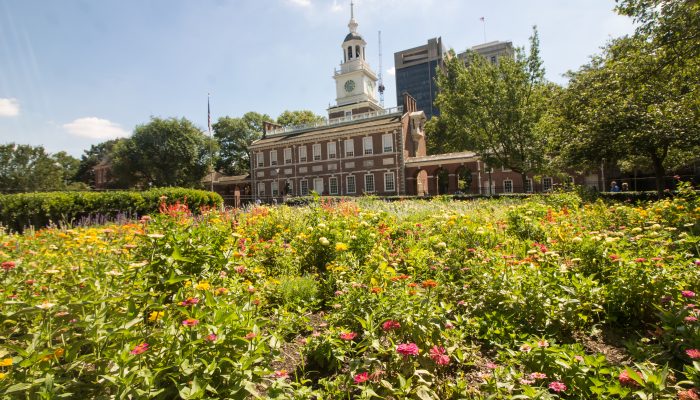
(300, 3)
(95, 128)
(391, 71)
(9, 108)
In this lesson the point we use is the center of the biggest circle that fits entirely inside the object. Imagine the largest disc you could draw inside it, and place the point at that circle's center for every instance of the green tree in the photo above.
(163, 152)
(93, 156)
(496, 109)
(638, 102)
(301, 117)
(234, 136)
(25, 168)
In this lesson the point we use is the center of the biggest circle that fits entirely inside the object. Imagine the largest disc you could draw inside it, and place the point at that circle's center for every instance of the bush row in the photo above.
(20, 211)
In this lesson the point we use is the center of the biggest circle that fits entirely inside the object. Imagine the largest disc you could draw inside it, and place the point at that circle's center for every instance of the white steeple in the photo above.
(355, 82)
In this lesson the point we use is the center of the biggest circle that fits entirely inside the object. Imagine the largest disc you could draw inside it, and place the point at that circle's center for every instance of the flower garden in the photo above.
(548, 297)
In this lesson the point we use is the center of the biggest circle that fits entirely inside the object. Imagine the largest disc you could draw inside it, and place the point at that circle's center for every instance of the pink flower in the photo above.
(361, 377)
(449, 325)
(190, 322)
(348, 335)
(189, 302)
(407, 349)
(240, 269)
(390, 325)
(212, 337)
(542, 343)
(525, 348)
(687, 294)
(557, 386)
(140, 348)
(578, 358)
(438, 355)
(690, 318)
(8, 265)
(524, 381)
(626, 380)
(640, 260)
(491, 365)
(250, 335)
(538, 375)
(693, 353)
(282, 373)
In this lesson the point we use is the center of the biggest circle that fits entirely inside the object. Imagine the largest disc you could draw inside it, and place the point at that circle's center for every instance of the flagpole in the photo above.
(483, 20)
(211, 152)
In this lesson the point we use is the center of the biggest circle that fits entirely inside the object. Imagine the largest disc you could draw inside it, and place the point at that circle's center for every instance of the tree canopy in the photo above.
(234, 136)
(638, 102)
(163, 152)
(301, 117)
(495, 108)
(25, 168)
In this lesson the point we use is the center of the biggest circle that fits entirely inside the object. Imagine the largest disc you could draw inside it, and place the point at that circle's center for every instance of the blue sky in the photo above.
(78, 72)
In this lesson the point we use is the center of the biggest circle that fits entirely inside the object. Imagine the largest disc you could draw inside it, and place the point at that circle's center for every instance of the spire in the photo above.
(352, 24)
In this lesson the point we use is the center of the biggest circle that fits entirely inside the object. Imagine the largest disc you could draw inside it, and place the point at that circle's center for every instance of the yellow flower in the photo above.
(59, 352)
(156, 315)
(341, 246)
(2, 375)
(202, 286)
(6, 362)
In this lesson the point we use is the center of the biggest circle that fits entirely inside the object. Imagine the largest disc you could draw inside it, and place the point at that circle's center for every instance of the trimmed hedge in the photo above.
(37, 210)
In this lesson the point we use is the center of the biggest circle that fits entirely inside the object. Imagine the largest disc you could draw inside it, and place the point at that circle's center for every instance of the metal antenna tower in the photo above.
(381, 80)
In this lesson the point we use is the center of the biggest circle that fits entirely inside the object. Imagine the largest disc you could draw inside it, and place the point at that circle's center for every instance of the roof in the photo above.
(329, 130)
(442, 158)
(353, 36)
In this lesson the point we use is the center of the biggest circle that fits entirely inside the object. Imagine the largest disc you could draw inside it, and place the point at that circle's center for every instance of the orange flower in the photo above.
(429, 283)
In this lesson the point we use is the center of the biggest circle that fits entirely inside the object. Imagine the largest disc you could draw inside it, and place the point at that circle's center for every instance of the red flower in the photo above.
(189, 302)
(190, 322)
(348, 335)
(8, 265)
(429, 283)
(640, 260)
(557, 386)
(693, 353)
(140, 348)
(250, 335)
(282, 373)
(438, 355)
(212, 337)
(691, 394)
(407, 349)
(390, 325)
(361, 378)
(626, 380)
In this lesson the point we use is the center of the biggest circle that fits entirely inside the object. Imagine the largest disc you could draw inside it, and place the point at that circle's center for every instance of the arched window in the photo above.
(349, 52)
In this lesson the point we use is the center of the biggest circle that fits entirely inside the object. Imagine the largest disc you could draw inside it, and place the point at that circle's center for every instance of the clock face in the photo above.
(349, 86)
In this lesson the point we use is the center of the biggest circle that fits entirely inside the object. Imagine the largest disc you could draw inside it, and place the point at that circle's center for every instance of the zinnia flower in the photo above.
(362, 377)
(348, 335)
(390, 325)
(693, 353)
(212, 337)
(407, 349)
(140, 348)
(429, 283)
(250, 335)
(8, 265)
(341, 246)
(190, 322)
(687, 294)
(538, 375)
(156, 315)
(626, 380)
(557, 386)
(690, 394)
(438, 355)
(282, 373)
(6, 362)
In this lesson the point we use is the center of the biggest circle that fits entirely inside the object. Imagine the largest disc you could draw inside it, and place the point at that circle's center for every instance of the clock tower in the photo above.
(355, 82)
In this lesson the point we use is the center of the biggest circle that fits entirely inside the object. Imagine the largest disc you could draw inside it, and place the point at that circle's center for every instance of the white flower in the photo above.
(45, 305)
(324, 241)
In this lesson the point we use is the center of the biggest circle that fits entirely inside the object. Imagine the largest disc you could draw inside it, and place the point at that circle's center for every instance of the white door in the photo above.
(318, 185)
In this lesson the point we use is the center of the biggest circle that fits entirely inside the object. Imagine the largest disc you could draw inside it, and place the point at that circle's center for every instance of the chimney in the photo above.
(409, 103)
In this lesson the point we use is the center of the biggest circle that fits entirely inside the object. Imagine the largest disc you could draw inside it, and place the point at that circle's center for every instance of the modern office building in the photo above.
(492, 51)
(416, 70)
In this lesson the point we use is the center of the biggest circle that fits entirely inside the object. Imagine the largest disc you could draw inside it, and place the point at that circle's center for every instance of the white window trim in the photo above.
(274, 188)
(374, 184)
(505, 190)
(332, 146)
(367, 150)
(273, 157)
(351, 147)
(529, 185)
(551, 184)
(261, 192)
(330, 185)
(316, 157)
(288, 151)
(384, 143)
(302, 183)
(347, 184)
(260, 159)
(393, 182)
(303, 153)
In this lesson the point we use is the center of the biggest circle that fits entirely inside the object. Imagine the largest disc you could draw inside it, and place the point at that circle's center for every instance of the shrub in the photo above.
(20, 211)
